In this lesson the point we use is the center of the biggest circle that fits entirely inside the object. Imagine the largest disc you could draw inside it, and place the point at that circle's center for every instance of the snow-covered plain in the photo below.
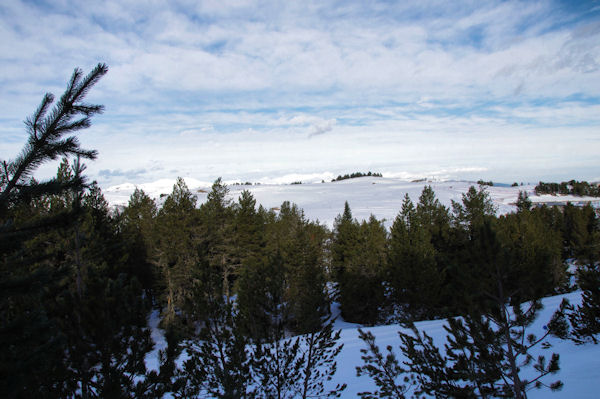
(382, 197)
(379, 196)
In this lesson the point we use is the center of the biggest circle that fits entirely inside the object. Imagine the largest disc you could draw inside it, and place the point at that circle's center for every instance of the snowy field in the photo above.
(379, 196)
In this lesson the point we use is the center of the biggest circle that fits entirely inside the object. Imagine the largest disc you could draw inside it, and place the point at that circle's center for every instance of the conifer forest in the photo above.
(244, 293)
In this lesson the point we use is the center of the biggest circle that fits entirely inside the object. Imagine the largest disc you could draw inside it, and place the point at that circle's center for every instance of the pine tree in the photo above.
(523, 202)
(358, 254)
(30, 363)
(175, 249)
(435, 218)
(345, 241)
(414, 276)
(475, 207)
(585, 318)
(307, 290)
(320, 350)
(263, 314)
(219, 363)
(137, 224)
(217, 245)
(385, 371)
(102, 311)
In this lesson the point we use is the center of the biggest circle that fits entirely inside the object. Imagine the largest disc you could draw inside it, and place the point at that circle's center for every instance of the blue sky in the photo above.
(282, 90)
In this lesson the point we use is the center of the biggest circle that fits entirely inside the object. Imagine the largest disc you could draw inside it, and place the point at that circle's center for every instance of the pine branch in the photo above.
(45, 131)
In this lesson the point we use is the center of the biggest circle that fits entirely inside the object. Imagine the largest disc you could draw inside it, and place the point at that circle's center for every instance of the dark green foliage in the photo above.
(432, 372)
(580, 188)
(307, 291)
(137, 226)
(483, 358)
(276, 368)
(355, 175)
(580, 231)
(475, 207)
(358, 263)
(301, 245)
(523, 202)
(63, 269)
(345, 241)
(531, 254)
(413, 273)
(559, 324)
(260, 301)
(585, 318)
(488, 347)
(216, 241)
(219, 363)
(319, 365)
(385, 371)
(297, 367)
(175, 251)
(107, 341)
(434, 217)
(48, 140)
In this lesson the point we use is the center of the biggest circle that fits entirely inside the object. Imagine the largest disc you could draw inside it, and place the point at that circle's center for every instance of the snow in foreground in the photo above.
(580, 364)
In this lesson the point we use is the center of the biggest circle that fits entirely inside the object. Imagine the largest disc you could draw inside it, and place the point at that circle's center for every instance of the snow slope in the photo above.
(580, 364)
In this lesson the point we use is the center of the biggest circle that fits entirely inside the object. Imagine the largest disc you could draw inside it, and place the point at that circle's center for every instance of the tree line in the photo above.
(574, 187)
(355, 175)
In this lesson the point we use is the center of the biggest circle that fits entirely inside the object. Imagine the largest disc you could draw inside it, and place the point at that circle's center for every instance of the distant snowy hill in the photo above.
(379, 196)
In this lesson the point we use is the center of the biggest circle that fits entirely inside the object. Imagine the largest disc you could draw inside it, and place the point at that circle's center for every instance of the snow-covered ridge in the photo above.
(380, 196)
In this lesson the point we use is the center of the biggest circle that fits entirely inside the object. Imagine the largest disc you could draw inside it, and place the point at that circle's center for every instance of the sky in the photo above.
(280, 91)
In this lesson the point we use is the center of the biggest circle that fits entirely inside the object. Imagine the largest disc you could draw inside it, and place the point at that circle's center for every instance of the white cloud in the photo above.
(228, 86)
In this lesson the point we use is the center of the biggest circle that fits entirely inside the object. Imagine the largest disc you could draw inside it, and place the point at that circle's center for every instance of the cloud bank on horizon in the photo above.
(507, 90)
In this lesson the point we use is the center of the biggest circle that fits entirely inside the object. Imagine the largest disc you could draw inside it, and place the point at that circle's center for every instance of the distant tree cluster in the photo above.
(485, 183)
(573, 187)
(356, 174)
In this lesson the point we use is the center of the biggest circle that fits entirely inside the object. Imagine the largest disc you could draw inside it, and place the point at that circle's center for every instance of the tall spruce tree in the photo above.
(137, 224)
(413, 274)
(175, 250)
(358, 253)
(218, 238)
(585, 318)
